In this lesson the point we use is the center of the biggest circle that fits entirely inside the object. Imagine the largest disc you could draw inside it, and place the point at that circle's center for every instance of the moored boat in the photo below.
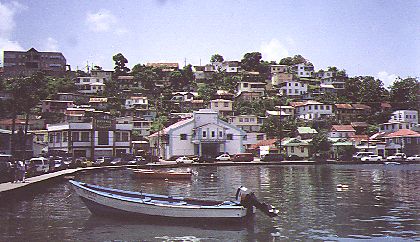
(108, 201)
(160, 174)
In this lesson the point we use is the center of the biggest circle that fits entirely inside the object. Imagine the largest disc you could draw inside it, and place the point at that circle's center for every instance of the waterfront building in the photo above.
(295, 147)
(251, 124)
(403, 140)
(203, 135)
(101, 137)
(26, 63)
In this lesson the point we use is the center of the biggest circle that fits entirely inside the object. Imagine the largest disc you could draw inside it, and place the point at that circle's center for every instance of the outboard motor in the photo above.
(249, 200)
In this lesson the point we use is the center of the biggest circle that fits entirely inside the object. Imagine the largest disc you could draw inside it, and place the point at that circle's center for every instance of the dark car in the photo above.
(273, 157)
(243, 157)
(294, 157)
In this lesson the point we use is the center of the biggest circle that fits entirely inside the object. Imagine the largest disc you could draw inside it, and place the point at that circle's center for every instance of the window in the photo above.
(251, 120)
(220, 134)
(65, 136)
(204, 134)
(51, 138)
(292, 149)
(216, 104)
(213, 134)
(245, 84)
(183, 137)
(246, 119)
(260, 137)
(241, 119)
(226, 104)
(302, 150)
(309, 107)
(58, 137)
(328, 107)
(296, 84)
(75, 136)
(316, 107)
(296, 91)
(103, 138)
(245, 137)
(322, 107)
(85, 137)
(229, 137)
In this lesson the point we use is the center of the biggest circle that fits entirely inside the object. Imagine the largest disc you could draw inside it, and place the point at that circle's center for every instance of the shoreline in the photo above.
(35, 184)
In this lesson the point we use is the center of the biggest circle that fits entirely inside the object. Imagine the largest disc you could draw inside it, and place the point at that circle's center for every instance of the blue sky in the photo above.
(378, 38)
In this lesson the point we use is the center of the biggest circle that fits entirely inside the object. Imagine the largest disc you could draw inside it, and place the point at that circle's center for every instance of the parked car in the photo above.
(116, 161)
(414, 158)
(396, 157)
(59, 165)
(294, 157)
(39, 165)
(102, 161)
(138, 160)
(184, 160)
(243, 157)
(371, 158)
(361, 154)
(223, 157)
(272, 157)
(84, 162)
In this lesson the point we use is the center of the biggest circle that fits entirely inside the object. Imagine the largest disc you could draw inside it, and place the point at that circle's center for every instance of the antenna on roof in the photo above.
(185, 62)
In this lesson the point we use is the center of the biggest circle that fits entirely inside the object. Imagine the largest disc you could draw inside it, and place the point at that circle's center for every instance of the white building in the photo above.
(303, 70)
(342, 131)
(91, 140)
(137, 102)
(203, 135)
(90, 85)
(408, 116)
(251, 124)
(311, 110)
(294, 88)
(249, 86)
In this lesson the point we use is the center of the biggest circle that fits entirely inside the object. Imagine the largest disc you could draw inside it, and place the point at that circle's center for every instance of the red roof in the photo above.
(342, 128)
(403, 133)
(343, 106)
(268, 142)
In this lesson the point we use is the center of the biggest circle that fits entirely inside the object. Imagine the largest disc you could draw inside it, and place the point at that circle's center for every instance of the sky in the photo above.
(364, 37)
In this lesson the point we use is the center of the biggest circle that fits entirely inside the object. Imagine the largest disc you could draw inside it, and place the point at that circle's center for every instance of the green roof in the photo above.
(306, 130)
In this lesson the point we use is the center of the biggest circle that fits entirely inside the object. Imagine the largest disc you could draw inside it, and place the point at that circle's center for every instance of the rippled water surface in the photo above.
(381, 202)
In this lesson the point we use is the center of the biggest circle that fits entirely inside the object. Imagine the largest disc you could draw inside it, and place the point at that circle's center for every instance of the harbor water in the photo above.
(316, 202)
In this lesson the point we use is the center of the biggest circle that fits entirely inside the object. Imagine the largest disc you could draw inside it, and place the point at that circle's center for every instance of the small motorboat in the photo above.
(161, 174)
(107, 201)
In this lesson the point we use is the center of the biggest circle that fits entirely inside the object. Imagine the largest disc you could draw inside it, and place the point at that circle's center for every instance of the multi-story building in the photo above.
(403, 140)
(278, 68)
(293, 88)
(248, 123)
(101, 137)
(102, 74)
(303, 70)
(407, 116)
(223, 107)
(311, 110)
(26, 63)
(90, 85)
(203, 135)
(231, 67)
(347, 113)
(278, 78)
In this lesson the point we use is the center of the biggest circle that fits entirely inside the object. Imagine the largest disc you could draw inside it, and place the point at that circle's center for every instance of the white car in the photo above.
(371, 158)
(223, 157)
(396, 157)
(414, 158)
(184, 160)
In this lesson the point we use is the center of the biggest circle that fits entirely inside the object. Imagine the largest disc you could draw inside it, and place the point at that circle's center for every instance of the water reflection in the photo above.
(324, 202)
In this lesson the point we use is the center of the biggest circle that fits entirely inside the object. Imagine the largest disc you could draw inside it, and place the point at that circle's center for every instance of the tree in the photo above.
(120, 68)
(177, 80)
(297, 59)
(216, 58)
(26, 93)
(55, 85)
(251, 61)
(188, 75)
(146, 75)
(321, 145)
(403, 93)
(365, 89)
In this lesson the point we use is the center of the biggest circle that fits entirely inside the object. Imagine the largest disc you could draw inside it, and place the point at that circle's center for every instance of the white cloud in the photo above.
(103, 21)
(51, 44)
(386, 78)
(273, 50)
(8, 25)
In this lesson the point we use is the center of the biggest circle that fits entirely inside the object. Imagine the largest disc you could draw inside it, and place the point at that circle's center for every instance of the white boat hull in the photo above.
(109, 202)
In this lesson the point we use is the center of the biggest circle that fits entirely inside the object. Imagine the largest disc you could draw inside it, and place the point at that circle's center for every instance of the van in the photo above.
(39, 165)
(361, 154)
(243, 157)
(273, 157)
